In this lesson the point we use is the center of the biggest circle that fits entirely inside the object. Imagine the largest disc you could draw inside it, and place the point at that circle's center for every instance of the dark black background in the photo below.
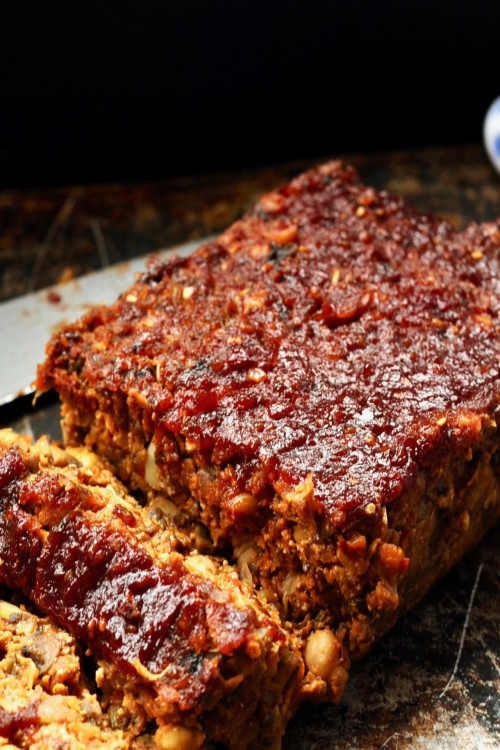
(126, 91)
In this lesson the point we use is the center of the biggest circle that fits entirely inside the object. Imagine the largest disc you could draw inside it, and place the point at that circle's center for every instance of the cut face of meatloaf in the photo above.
(45, 701)
(184, 650)
(319, 387)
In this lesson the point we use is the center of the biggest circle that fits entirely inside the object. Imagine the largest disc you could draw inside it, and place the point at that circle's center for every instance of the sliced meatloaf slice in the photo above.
(181, 643)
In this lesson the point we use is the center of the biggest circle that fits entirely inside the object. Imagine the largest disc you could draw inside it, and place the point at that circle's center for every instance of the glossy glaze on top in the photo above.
(333, 332)
(156, 621)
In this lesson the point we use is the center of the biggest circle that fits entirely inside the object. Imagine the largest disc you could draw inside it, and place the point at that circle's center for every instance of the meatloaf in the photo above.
(184, 650)
(45, 701)
(319, 387)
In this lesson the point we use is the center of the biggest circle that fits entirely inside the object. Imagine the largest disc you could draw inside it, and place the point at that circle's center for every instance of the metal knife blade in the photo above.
(27, 322)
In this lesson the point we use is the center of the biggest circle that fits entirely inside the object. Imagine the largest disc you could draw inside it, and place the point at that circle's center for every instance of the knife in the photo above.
(27, 322)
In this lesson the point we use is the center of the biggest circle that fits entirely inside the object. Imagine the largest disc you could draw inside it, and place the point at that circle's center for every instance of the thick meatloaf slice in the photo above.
(320, 387)
(181, 643)
(45, 700)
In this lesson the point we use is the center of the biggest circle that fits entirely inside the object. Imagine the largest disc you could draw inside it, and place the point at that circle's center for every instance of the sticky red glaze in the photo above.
(108, 592)
(20, 542)
(24, 720)
(328, 333)
(54, 297)
(105, 588)
(11, 467)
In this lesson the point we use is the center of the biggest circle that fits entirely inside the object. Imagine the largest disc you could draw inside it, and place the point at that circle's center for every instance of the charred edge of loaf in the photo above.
(319, 387)
(180, 641)
(45, 699)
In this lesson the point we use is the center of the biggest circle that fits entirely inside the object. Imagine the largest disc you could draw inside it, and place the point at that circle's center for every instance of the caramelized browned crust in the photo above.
(179, 639)
(320, 387)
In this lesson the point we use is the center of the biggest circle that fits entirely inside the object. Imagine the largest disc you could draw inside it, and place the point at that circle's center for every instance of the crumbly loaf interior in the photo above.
(250, 687)
(45, 699)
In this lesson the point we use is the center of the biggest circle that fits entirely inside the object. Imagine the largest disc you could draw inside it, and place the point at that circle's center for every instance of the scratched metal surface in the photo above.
(433, 683)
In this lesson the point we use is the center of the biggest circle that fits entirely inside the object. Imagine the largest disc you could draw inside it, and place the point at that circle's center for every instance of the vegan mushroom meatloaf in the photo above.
(184, 651)
(319, 387)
